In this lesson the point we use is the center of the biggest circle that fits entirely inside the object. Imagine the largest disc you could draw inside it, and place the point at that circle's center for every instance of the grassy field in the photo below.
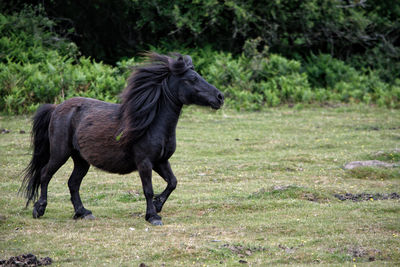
(253, 189)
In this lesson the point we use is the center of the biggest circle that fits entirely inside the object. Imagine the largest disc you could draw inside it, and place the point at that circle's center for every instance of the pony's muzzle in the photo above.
(220, 98)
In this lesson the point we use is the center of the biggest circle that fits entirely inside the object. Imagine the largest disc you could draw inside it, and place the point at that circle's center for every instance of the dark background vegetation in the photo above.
(260, 53)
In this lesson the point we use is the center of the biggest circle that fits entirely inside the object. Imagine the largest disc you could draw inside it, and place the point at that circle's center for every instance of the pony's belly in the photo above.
(120, 169)
(103, 151)
(111, 162)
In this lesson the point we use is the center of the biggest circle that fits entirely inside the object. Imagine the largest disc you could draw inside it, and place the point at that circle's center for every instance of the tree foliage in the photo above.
(365, 32)
(260, 53)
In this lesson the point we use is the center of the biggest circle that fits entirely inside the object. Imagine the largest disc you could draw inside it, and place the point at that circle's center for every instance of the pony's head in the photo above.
(163, 81)
(189, 87)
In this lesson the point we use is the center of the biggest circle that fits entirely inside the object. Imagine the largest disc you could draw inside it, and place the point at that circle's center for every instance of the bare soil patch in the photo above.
(26, 260)
(367, 196)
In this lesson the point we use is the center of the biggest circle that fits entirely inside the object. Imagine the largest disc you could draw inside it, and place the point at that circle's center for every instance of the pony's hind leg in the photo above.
(47, 173)
(81, 167)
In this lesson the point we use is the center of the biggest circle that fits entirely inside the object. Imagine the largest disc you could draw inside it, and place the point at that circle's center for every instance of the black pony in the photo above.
(138, 134)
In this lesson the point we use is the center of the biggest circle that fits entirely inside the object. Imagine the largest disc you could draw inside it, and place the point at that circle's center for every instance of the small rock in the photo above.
(368, 163)
(22, 131)
(242, 261)
(280, 187)
(131, 228)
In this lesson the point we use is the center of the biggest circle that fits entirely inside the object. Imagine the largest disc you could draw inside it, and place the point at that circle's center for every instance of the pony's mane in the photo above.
(142, 97)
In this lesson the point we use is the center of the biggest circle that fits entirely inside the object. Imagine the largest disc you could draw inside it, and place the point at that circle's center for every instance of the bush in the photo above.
(24, 86)
(346, 84)
(36, 69)
(256, 79)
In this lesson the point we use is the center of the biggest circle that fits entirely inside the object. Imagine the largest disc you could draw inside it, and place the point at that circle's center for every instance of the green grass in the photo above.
(252, 187)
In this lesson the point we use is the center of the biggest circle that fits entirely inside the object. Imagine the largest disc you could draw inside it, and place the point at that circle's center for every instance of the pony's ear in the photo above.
(181, 64)
(188, 61)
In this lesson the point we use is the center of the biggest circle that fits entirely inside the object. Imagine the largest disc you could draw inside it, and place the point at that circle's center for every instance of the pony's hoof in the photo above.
(35, 214)
(83, 213)
(156, 222)
(88, 217)
(38, 209)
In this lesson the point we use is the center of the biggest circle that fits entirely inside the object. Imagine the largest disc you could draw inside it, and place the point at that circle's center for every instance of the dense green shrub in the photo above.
(24, 86)
(37, 66)
(255, 79)
(347, 84)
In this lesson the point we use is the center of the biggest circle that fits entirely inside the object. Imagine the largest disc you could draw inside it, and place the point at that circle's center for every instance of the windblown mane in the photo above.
(144, 93)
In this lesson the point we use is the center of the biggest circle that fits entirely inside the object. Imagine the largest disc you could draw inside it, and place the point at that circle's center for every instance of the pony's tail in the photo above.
(41, 152)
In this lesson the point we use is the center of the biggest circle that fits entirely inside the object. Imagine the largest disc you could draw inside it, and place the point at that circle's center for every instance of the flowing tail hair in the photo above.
(41, 152)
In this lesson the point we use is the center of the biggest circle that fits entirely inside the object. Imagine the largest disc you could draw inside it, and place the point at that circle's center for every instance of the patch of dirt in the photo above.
(287, 249)
(367, 196)
(291, 192)
(368, 128)
(310, 197)
(361, 252)
(26, 260)
(243, 251)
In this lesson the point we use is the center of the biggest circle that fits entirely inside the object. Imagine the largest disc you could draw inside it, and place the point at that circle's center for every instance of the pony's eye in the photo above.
(192, 79)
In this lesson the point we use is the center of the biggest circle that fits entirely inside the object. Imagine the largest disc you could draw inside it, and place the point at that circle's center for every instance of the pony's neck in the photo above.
(168, 117)
(170, 96)
(170, 107)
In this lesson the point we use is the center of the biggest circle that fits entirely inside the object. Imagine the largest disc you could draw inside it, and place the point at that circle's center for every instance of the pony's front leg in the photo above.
(145, 169)
(165, 171)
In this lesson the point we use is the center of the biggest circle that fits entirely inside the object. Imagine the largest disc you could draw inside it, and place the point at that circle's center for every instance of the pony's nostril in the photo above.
(220, 97)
